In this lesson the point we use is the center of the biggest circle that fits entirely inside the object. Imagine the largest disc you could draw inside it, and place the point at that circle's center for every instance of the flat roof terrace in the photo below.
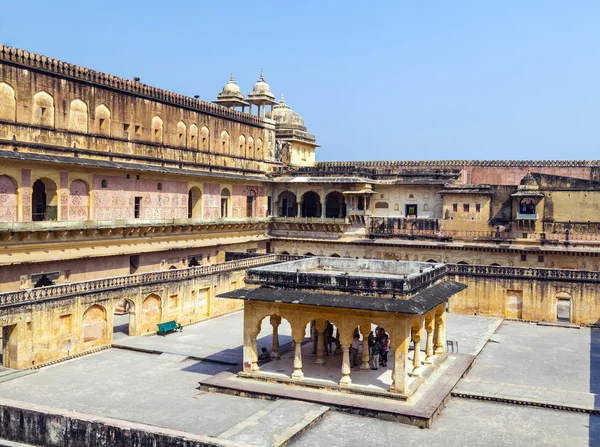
(359, 276)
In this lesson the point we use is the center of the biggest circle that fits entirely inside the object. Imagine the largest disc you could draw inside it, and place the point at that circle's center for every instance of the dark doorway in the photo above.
(336, 205)
(563, 310)
(42, 197)
(249, 206)
(137, 208)
(411, 210)
(311, 205)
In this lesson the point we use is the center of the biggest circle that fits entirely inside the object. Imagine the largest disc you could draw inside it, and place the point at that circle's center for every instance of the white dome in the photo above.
(231, 90)
(261, 88)
(286, 117)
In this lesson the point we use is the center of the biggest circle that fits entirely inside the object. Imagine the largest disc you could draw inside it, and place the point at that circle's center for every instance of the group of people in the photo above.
(379, 347)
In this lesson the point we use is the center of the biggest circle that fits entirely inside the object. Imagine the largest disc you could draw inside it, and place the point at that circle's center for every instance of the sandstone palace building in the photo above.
(120, 197)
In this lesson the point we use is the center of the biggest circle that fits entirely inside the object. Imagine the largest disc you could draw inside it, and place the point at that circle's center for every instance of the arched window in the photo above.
(224, 143)
(8, 199)
(8, 102)
(250, 149)
(43, 109)
(78, 116)
(157, 130)
(104, 183)
(79, 202)
(103, 120)
(44, 200)
(396, 207)
(193, 137)
(225, 199)
(194, 203)
(241, 146)
(259, 150)
(205, 135)
(159, 187)
(181, 134)
(287, 206)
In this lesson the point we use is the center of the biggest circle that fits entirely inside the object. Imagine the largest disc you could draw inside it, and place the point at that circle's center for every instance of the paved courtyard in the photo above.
(162, 389)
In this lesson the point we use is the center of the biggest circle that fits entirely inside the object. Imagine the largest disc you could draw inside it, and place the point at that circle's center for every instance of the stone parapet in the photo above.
(46, 64)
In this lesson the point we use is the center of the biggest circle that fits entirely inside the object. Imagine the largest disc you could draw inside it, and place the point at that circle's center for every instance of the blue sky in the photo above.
(373, 80)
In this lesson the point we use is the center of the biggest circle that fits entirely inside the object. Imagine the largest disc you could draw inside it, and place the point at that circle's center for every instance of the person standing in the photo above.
(385, 349)
(354, 351)
(376, 352)
(315, 337)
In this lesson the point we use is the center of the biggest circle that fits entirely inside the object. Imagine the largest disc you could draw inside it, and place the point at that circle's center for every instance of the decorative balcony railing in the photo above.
(53, 225)
(98, 285)
(524, 272)
(314, 220)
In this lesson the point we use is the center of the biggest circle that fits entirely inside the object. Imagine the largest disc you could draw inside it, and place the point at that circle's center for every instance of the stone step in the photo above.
(11, 374)
(559, 324)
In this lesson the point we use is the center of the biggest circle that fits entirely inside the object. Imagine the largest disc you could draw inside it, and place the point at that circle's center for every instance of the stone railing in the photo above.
(524, 272)
(123, 223)
(100, 285)
(301, 220)
(346, 283)
(36, 61)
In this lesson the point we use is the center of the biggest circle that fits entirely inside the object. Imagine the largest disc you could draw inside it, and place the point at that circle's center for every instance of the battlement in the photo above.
(465, 163)
(46, 64)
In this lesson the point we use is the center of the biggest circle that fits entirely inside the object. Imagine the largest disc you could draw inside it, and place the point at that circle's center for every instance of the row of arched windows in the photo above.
(43, 114)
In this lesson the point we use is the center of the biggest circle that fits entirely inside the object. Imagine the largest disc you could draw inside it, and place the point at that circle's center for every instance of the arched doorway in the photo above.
(124, 319)
(335, 205)
(43, 200)
(287, 206)
(311, 204)
(432, 261)
(194, 203)
(563, 307)
(225, 199)
(94, 324)
(151, 313)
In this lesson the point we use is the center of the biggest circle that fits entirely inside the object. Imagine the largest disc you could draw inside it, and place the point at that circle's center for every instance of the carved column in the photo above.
(365, 356)
(440, 330)
(429, 328)
(297, 336)
(401, 341)
(321, 326)
(299, 210)
(417, 335)
(275, 322)
(345, 339)
(251, 331)
(323, 210)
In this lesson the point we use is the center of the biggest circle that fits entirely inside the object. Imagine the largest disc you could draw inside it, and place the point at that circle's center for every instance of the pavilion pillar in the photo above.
(251, 331)
(440, 330)
(321, 326)
(345, 340)
(275, 322)
(365, 329)
(429, 328)
(299, 209)
(417, 335)
(297, 336)
(323, 211)
(401, 341)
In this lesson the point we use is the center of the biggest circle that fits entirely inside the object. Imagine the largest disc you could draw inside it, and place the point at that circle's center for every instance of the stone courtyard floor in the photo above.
(162, 389)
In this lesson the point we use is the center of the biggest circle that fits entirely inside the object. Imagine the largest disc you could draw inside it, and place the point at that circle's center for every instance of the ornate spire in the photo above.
(262, 78)
(231, 80)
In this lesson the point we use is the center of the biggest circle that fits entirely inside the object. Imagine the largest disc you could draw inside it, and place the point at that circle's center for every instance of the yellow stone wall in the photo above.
(575, 206)
(462, 220)
(527, 299)
(54, 329)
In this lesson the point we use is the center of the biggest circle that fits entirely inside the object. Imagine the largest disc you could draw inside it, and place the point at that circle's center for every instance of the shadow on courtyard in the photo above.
(594, 419)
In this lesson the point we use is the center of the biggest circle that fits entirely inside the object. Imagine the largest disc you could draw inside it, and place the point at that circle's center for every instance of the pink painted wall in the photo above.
(212, 200)
(117, 200)
(8, 199)
(79, 202)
